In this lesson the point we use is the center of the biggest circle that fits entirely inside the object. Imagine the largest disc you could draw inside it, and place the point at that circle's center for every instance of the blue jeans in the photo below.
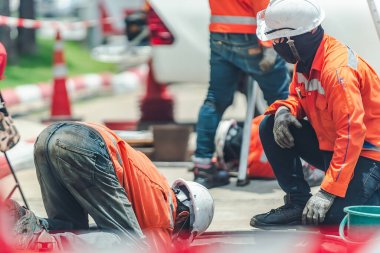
(77, 179)
(362, 190)
(231, 55)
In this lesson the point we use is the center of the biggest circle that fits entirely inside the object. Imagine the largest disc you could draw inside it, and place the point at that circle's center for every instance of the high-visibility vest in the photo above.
(235, 16)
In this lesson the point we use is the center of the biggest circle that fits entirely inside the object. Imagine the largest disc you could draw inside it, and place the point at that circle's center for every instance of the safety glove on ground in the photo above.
(317, 207)
(268, 60)
(9, 136)
(282, 121)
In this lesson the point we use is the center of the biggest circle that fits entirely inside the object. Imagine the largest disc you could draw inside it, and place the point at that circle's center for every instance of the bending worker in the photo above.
(86, 169)
(339, 94)
(235, 50)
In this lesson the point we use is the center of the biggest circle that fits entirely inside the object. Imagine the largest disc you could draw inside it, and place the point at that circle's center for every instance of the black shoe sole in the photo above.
(218, 184)
(267, 226)
(213, 184)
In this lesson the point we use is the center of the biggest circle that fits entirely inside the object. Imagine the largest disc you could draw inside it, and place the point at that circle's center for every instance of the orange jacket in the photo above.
(258, 165)
(341, 99)
(151, 196)
(235, 16)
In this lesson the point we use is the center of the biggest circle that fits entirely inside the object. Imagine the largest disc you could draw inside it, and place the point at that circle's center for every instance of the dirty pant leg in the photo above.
(363, 189)
(286, 163)
(63, 210)
(79, 158)
(224, 77)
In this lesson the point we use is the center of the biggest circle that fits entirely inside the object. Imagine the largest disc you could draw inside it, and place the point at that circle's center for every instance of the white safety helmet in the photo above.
(285, 18)
(201, 206)
(220, 139)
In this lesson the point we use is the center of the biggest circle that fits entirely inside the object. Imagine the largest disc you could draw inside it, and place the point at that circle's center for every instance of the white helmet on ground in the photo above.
(285, 18)
(201, 206)
(220, 138)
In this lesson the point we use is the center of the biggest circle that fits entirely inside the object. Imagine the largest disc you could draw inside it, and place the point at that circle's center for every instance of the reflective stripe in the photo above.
(59, 70)
(370, 146)
(171, 209)
(312, 85)
(263, 158)
(352, 59)
(58, 45)
(238, 20)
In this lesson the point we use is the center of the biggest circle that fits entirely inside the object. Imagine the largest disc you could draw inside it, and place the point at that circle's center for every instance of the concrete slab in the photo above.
(234, 206)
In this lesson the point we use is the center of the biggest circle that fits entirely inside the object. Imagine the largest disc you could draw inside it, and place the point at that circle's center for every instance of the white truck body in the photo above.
(187, 59)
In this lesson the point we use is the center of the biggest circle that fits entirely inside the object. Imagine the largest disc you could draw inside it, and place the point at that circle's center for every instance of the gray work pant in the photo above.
(77, 179)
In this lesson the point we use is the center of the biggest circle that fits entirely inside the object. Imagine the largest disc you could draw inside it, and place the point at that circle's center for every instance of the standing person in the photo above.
(235, 49)
(339, 93)
(86, 169)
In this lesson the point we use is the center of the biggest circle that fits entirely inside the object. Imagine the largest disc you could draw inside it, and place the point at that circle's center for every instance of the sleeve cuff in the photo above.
(337, 189)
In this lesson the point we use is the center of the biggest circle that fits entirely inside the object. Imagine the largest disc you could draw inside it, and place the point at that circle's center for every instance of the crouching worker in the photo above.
(339, 93)
(86, 169)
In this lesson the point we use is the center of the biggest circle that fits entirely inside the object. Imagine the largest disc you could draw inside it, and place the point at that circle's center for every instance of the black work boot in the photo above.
(211, 177)
(286, 215)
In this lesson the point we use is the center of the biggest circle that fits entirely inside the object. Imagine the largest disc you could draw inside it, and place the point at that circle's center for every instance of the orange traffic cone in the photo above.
(60, 104)
(157, 104)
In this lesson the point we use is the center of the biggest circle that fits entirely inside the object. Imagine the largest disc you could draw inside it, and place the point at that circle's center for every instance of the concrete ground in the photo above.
(234, 206)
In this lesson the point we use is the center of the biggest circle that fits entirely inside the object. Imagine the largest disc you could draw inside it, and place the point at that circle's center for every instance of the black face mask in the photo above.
(306, 44)
(285, 52)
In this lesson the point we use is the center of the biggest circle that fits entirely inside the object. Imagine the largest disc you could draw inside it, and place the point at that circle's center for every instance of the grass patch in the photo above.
(38, 68)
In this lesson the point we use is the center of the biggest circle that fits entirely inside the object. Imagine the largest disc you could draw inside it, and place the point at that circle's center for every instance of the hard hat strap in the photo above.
(293, 48)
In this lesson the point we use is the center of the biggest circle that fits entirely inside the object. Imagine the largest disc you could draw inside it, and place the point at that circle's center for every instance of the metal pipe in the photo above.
(243, 162)
(373, 8)
(16, 180)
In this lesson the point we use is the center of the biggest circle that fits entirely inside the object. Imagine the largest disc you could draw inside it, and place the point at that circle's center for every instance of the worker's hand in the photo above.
(283, 119)
(268, 60)
(9, 135)
(317, 207)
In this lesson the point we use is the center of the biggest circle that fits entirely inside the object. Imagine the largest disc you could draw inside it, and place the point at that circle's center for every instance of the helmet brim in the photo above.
(198, 219)
(265, 33)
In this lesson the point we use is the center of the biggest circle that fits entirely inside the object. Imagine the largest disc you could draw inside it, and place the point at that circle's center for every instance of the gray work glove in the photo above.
(268, 60)
(282, 120)
(317, 207)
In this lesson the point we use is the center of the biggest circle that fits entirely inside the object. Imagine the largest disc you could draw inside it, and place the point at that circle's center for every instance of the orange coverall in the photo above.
(340, 100)
(258, 165)
(152, 198)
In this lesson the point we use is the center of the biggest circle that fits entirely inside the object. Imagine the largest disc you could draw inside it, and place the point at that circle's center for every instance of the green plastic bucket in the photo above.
(362, 222)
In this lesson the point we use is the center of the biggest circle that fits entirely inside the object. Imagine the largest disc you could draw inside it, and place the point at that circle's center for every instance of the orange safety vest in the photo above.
(148, 191)
(341, 99)
(235, 16)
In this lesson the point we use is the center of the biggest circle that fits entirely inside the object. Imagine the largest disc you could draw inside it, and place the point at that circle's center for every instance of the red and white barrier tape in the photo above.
(21, 157)
(37, 24)
(89, 83)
